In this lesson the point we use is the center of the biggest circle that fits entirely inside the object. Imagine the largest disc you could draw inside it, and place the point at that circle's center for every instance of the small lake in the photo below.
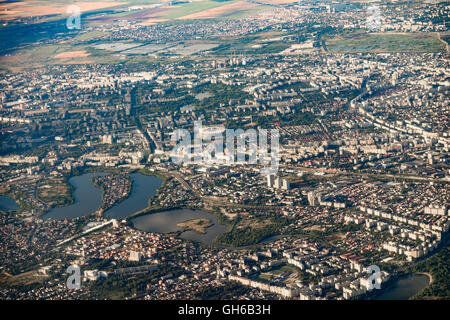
(88, 198)
(405, 288)
(8, 203)
(166, 222)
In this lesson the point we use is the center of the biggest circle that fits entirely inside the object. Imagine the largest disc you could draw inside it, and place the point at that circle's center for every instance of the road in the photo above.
(85, 232)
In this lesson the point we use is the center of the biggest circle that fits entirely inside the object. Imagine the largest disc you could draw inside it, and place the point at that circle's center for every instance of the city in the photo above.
(354, 98)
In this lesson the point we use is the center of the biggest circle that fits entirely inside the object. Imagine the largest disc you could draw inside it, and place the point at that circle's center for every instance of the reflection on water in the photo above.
(8, 203)
(166, 221)
(88, 198)
(405, 288)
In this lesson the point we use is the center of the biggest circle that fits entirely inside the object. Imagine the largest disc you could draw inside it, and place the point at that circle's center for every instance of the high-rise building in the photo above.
(312, 198)
(286, 185)
(270, 180)
(277, 184)
(134, 256)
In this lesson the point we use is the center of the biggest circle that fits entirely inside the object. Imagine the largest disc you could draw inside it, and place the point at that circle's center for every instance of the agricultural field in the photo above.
(182, 49)
(117, 46)
(149, 13)
(10, 10)
(222, 11)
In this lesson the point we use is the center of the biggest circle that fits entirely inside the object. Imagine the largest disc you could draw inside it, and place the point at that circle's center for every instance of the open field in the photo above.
(186, 9)
(278, 1)
(36, 57)
(217, 12)
(55, 192)
(283, 274)
(150, 48)
(117, 46)
(26, 278)
(155, 12)
(92, 35)
(183, 49)
(65, 53)
(71, 54)
(22, 9)
(386, 42)
(163, 11)
(198, 225)
(190, 49)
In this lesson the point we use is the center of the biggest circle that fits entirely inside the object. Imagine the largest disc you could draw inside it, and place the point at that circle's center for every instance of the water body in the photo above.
(405, 288)
(166, 221)
(8, 203)
(144, 187)
(88, 198)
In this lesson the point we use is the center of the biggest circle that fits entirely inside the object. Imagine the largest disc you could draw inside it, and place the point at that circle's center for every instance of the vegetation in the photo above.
(198, 225)
(229, 291)
(119, 286)
(241, 235)
(439, 267)
(56, 192)
(387, 43)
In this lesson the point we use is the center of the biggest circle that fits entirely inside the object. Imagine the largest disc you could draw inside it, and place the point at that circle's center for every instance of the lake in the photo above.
(8, 203)
(405, 288)
(88, 198)
(166, 222)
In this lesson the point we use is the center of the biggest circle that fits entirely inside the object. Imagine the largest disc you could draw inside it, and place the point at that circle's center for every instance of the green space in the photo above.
(55, 192)
(117, 287)
(438, 266)
(387, 42)
(197, 225)
(229, 291)
(184, 9)
(251, 231)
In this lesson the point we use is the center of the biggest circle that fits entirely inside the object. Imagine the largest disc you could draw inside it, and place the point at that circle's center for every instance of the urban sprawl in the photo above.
(363, 157)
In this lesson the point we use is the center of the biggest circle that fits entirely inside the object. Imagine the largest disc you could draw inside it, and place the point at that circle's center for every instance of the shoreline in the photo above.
(392, 282)
(101, 210)
(429, 277)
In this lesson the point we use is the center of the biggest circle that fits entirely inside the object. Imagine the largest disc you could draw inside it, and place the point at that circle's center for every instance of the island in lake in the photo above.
(198, 225)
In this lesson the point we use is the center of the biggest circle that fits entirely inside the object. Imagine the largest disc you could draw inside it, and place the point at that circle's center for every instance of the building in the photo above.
(286, 185)
(270, 180)
(312, 198)
(134, 256)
